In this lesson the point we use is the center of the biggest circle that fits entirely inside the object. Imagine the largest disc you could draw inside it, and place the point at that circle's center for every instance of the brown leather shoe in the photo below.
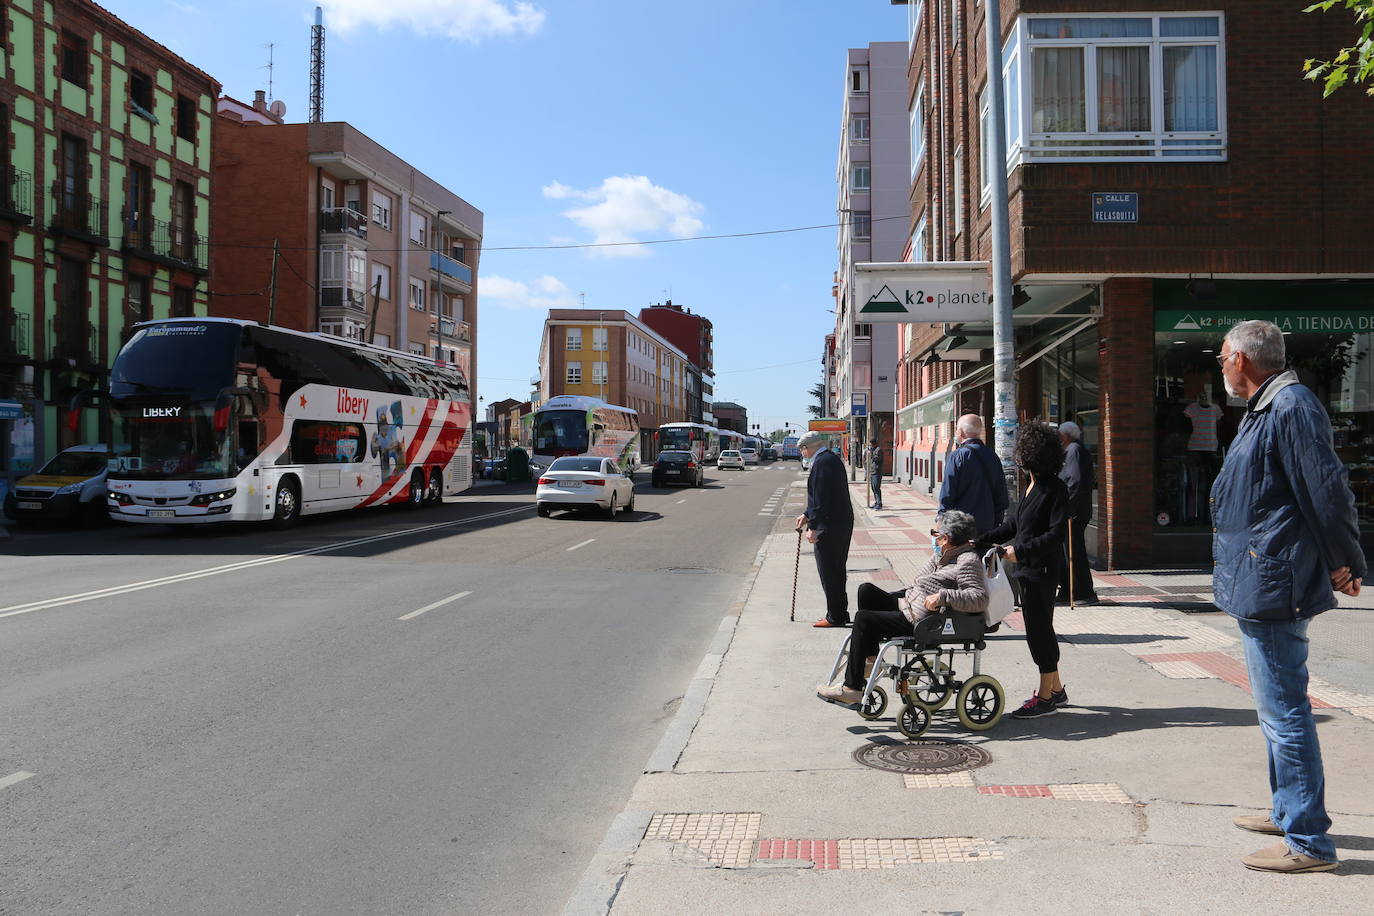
(1279, 858)
(1257, 823)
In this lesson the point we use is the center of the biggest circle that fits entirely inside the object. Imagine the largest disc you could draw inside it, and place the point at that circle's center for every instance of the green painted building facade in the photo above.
(104, 212)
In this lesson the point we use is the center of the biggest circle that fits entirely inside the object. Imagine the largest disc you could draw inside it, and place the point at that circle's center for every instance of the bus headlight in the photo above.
(122, 499)
(210, 499)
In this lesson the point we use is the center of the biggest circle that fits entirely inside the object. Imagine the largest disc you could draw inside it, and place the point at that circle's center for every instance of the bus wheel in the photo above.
(436, 487)
(287, 505)
(415, 493)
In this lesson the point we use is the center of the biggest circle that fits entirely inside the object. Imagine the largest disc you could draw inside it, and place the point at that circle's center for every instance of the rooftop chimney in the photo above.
(260, 100)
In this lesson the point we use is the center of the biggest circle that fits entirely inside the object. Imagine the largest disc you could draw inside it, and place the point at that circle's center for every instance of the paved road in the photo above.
(241, 722)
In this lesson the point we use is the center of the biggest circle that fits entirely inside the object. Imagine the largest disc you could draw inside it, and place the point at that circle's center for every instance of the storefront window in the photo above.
(1069, 391)
(1195, 420)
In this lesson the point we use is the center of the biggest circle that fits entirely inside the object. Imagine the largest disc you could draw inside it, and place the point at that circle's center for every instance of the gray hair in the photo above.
(1072, 430)
(959, 527)
(971, 426)
(1261, 342)
(812, 439)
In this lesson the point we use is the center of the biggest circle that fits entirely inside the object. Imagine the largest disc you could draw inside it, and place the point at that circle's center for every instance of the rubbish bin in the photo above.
(517, 465)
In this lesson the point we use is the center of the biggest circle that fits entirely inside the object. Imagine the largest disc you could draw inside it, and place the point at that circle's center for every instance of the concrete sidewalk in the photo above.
(1121, 803)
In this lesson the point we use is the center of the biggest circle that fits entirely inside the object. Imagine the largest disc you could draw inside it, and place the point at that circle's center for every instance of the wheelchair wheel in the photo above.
(913, 721)
(980, 703)
(929, 688)
(873, 704)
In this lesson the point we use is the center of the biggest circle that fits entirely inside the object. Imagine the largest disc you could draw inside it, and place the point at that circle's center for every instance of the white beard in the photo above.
(1229, 390)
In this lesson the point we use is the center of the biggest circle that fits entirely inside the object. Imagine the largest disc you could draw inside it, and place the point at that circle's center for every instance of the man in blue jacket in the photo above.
(1286, 539)
(829, 520)
(974, 482)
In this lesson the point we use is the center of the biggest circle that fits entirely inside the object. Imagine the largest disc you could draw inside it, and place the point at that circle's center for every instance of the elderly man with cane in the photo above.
(1076, 578)
(829, 524)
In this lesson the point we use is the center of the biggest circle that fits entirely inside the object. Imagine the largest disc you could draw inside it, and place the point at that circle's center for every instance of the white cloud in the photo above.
(543, 293)
(466, 20)
(626, 208)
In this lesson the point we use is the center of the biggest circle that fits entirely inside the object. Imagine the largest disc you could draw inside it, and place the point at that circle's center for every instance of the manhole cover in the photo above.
(923, 757)
(687, 570)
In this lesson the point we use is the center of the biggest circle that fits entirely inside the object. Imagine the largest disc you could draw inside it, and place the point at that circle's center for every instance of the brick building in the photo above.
(692, 335)
(732, 416)
(1170, 173)
(104, 210)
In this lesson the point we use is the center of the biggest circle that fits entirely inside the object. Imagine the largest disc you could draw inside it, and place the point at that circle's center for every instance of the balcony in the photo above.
(337, 297)
(16, 196)
(450, 268)
(16, 337)
(164, 243)
(74, 342)
(452, 330)
(80, 216)
(343, 221)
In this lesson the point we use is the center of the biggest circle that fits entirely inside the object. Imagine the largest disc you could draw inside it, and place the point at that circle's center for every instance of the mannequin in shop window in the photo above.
(1204, 413)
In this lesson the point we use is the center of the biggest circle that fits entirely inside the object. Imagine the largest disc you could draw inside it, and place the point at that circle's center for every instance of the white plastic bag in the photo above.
(1000, 599)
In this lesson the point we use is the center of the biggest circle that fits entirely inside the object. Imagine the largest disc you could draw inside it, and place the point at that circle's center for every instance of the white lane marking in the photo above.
(14, 778)
(680, 501)
(429, 607)
(583, 544)
(113, 591)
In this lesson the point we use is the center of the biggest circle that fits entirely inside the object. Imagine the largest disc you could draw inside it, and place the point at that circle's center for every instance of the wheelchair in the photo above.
(921, 669)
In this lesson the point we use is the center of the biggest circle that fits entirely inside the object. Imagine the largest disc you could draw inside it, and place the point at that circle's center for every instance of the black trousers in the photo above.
(1083, 589)
(877, 619)
(1037, 609)
(832, 555)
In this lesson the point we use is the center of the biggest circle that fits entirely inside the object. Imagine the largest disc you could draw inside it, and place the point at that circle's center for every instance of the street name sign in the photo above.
(1116, 207)
(925, 293)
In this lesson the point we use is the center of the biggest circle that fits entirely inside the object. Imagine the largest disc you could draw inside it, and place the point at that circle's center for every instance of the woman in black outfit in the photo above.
(1034, 539)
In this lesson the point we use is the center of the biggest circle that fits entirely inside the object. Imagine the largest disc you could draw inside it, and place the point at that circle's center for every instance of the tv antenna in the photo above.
(270, 46)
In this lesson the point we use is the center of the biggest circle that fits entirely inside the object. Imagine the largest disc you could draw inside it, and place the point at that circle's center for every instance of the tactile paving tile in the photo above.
(1180, 669)
(1091, 791)
(896, 853)
(725, 839)
(937, 780)
(1364, 712)
(1332, 695)
(1017, 791)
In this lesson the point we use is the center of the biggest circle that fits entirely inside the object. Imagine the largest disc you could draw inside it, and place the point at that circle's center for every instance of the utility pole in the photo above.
(1003, 334)
(272, 300)
(376, 302)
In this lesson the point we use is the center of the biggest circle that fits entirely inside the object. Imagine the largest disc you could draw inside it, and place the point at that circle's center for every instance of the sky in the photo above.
(593, 121)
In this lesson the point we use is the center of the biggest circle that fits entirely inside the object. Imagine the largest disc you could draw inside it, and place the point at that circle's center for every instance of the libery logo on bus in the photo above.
(352, 404)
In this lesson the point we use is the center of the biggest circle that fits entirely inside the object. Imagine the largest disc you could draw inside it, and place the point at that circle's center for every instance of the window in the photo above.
(599, 374)
(858, 129)
(1131, 86)
(574, 338)
(860, 176)
(419, 228)
(183, 210)
(599, 338)
(137, 200)
(74, 65)
(918, 127)
(863, 330)
(141, 94)
(417, 349)
(381, 272)
(861, 223)
(73, 173)
(460, 308)
(858, 80)
(958, 191)
(353, 198)
(914, 9)
(574, 373)
(918, 242)
(137, 306)
(458, 251)
(183, 302)
(417, 295)
(357, 270)
(381, 209)
(327, 442)
(186, 118)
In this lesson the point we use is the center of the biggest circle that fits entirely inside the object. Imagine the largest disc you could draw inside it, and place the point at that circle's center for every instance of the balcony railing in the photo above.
(337, 297)
(343, 220)
(16, 196)
(452, 330)
(76, 341)
(16, 337)
(79, 215)
(450, 267)
(162, 242)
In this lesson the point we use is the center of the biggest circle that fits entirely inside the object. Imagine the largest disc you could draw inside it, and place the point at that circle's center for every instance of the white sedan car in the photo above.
(750, 455)
(584, 483)
(730, 458)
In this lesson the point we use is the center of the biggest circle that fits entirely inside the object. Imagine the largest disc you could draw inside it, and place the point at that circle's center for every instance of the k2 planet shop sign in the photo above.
(930, 293)
(1219, 322)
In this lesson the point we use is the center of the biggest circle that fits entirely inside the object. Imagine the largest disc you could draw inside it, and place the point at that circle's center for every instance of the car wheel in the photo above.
(610, 510)
(630, 506)
(543, 511)
(655, 482)
(286, 508)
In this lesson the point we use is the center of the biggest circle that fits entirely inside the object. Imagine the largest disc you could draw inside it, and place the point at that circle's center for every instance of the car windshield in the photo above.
(729, 454)
(75, 464)
(577, 464)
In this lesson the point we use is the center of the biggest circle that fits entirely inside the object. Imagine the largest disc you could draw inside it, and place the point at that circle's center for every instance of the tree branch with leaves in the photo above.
(1355, 63)
(818, 392)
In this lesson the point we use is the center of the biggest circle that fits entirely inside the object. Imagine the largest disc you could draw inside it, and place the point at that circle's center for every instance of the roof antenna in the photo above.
(317, 68)
(270, 46)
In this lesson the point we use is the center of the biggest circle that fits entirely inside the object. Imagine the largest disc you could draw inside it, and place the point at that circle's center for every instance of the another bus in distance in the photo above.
(701, 440)
(572, 424)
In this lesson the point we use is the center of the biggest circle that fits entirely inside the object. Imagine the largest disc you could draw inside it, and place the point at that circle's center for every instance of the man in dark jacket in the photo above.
(829, 518)
(1286, 539)
(873, 463)
(1079, 477)
(974, 482)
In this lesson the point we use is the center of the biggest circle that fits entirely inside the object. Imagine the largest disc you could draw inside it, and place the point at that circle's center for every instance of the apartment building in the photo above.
(365, 245)
(1170, 174)
(692, 334)
(104, 211)
(615, 356)
(873, 178)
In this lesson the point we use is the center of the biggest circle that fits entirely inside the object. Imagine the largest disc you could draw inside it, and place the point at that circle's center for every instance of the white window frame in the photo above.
(382, 204)
(600, 338)
(918, 127)
(417, 349)
(1164, 146)
(958, 192)
(383, 271)
(861, 224)
(574, 339)
(600, 373)
(858, 80)
(914, 11)
(419, 225)
(919, 242)
(857, 133)
(864, 169)
(417, 295)
(574, 373)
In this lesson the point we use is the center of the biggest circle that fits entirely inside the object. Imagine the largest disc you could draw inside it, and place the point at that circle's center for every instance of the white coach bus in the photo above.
(701, 440)
(221, 420)
(573, 424)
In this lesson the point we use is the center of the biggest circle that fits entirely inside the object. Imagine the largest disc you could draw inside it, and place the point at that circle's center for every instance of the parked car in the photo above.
(750, 455)
(677, 467)
(730, 458)
(69, 487)
(495, 469)
(584, 483)
(770, 454)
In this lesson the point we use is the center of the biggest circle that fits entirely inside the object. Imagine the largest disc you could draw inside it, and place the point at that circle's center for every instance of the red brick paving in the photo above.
(824, 853)
(1018, 791)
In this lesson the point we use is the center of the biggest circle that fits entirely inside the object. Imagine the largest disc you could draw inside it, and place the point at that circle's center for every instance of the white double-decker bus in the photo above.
(222, 420)
(701, 440)
(573, 424)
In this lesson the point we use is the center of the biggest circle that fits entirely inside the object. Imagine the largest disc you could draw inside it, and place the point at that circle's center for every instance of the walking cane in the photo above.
(1071, 562)
(796, 570)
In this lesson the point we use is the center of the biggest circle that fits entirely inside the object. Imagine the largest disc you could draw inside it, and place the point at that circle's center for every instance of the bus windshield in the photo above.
(676, 437)
(184, 446)
(560, 432)
(188, 361)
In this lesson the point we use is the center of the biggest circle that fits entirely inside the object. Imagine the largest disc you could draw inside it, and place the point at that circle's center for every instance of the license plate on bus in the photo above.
(570, 484)
(27, 505)
(162, 513)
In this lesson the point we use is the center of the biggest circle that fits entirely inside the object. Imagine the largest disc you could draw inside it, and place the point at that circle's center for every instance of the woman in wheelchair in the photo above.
(953, 578)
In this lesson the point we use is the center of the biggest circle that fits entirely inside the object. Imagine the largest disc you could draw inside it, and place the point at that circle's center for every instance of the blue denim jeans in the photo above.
(1276, 658)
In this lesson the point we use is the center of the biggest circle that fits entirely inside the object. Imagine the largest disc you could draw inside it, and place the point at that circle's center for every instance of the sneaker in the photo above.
(840, 695)
(1060, 697)
(1279, 858)
(1034, 708)
(1258, 823)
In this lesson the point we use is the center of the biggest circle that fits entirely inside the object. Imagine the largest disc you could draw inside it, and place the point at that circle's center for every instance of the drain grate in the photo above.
(687, 570)
(923, 757)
